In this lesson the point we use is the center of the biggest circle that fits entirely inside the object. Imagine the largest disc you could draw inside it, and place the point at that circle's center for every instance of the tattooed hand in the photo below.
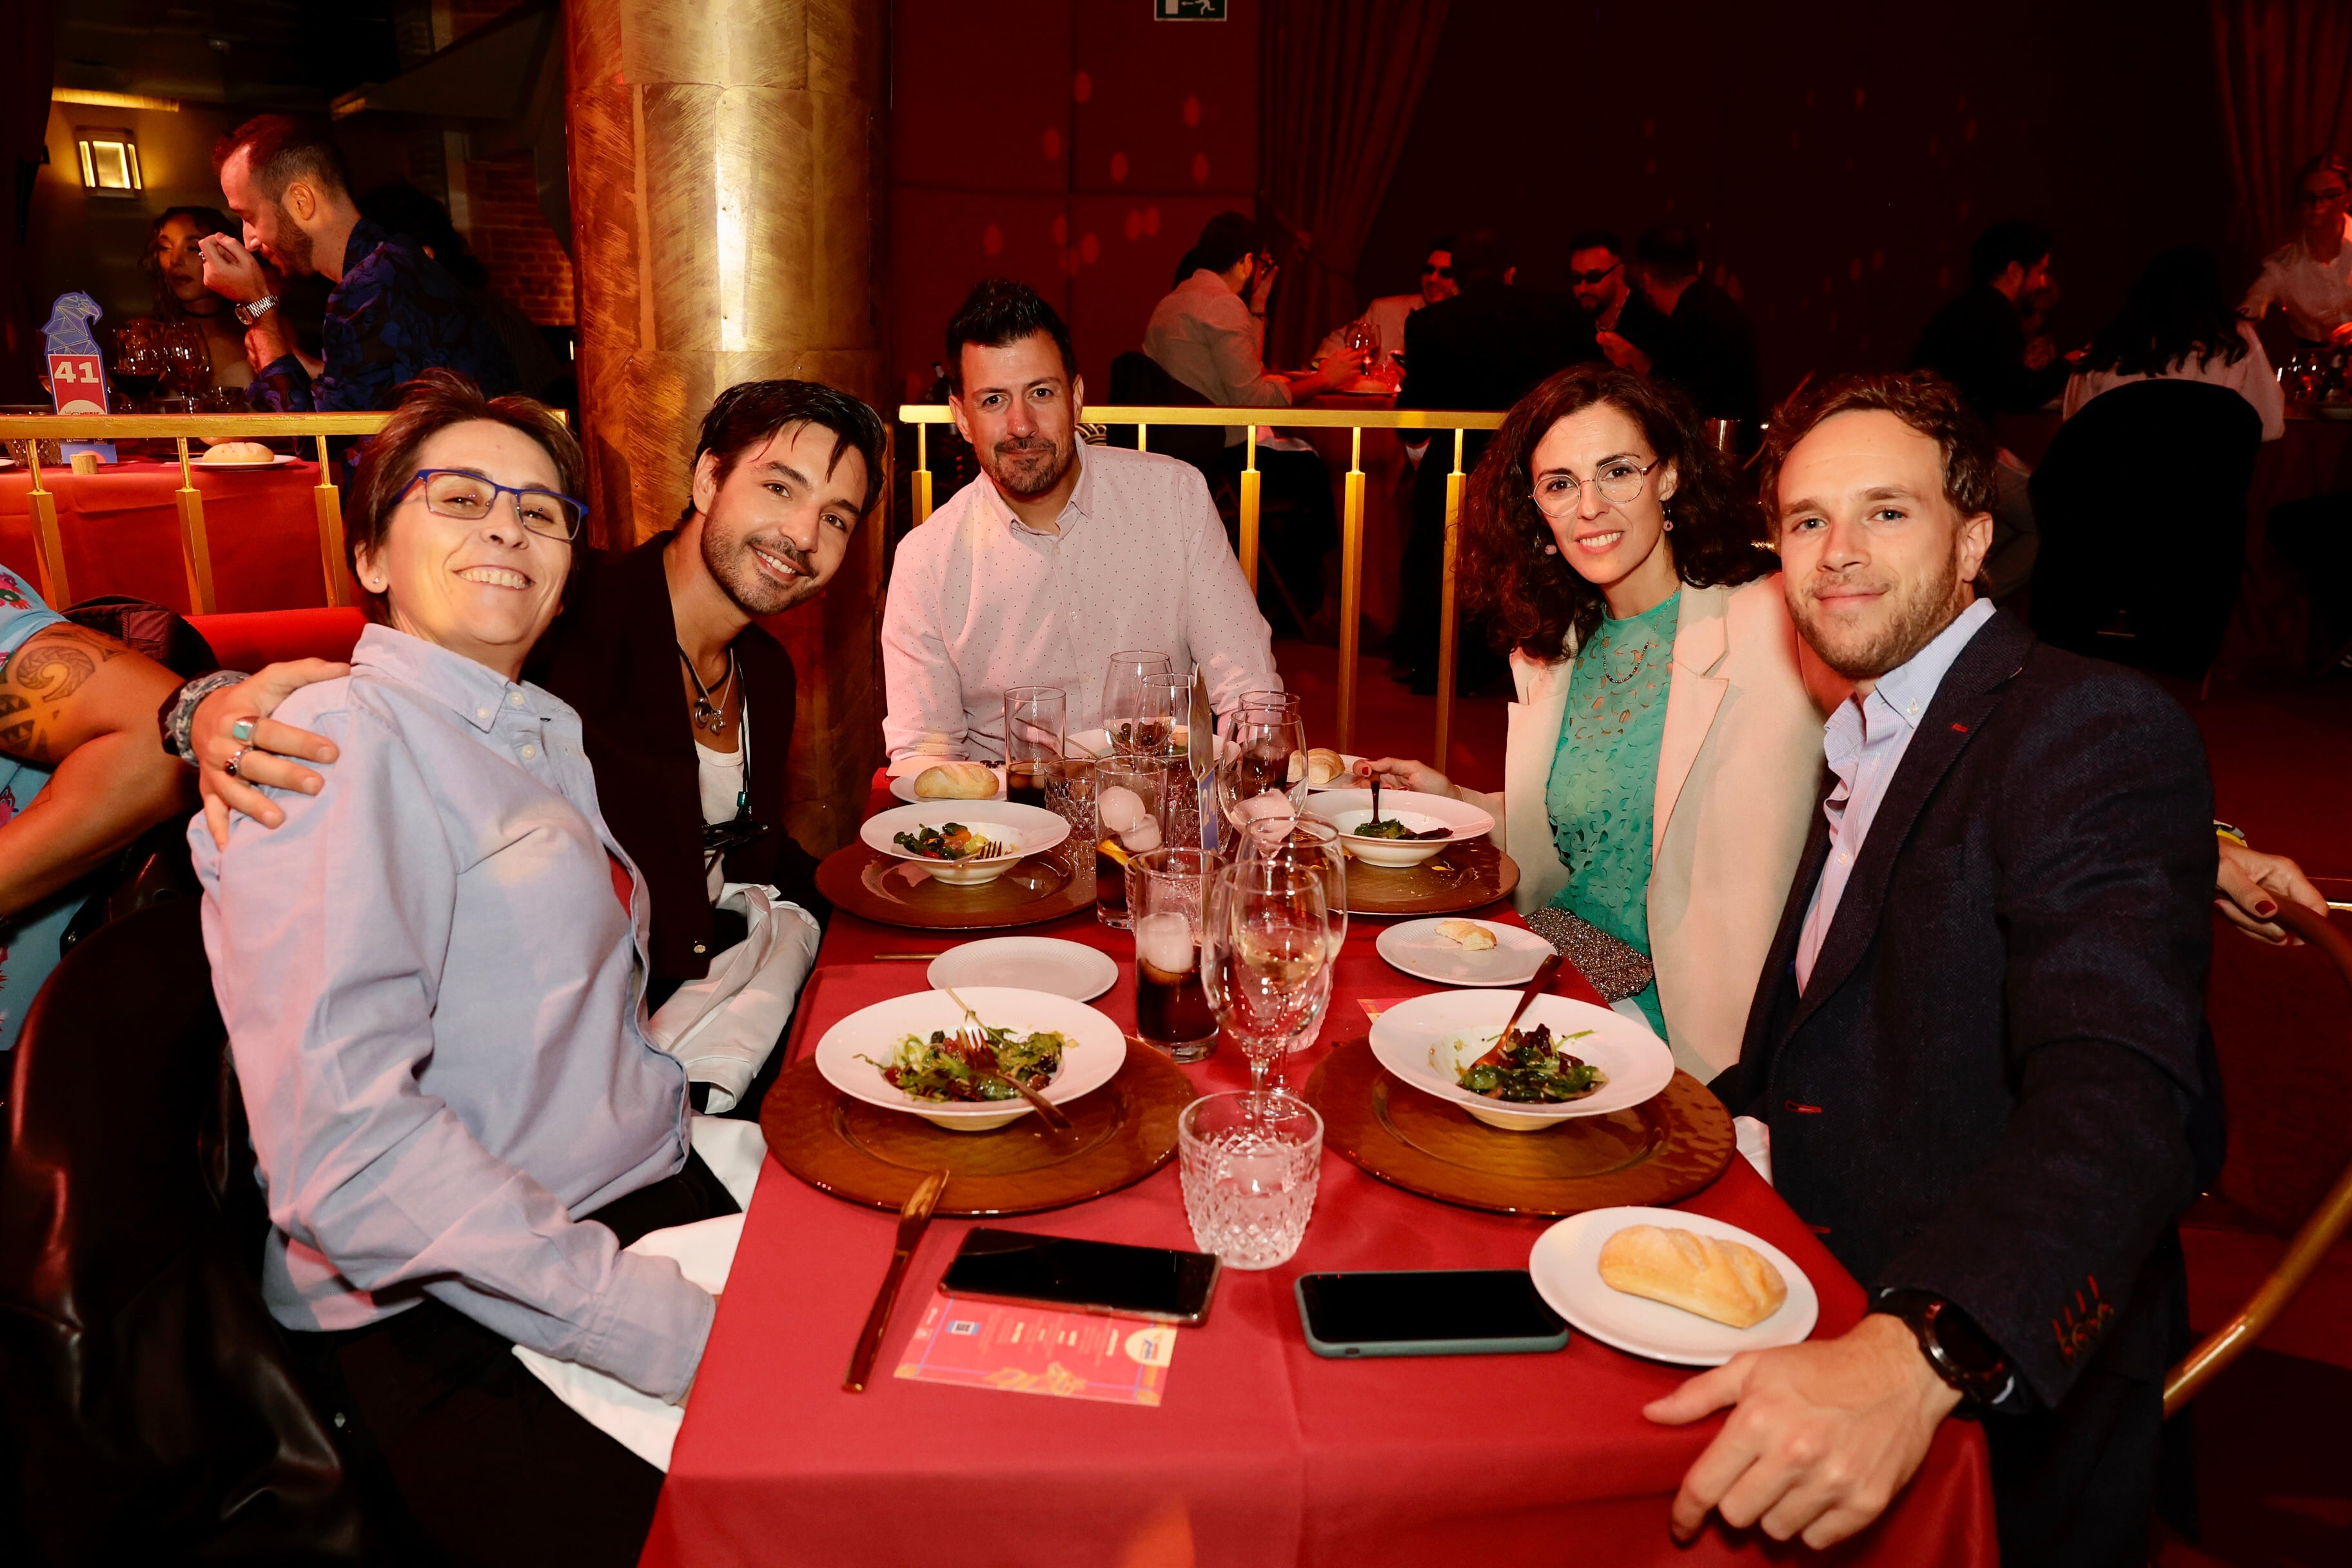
(37, 682)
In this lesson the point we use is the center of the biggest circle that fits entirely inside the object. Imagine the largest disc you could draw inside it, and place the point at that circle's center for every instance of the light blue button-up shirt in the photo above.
(435, 1002)
(1865, 740)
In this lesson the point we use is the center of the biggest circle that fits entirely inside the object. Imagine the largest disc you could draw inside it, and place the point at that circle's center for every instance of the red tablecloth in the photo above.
(1262, 1453)
(121, 528)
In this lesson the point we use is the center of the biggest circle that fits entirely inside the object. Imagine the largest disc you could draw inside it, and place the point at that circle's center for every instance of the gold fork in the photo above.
(974, 1039)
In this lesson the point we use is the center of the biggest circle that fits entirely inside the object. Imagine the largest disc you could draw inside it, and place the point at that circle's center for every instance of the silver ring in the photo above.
(230, 769)
(242, 731)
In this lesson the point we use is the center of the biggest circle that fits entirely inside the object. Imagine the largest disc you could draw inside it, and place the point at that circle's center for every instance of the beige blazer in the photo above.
(1740, 773)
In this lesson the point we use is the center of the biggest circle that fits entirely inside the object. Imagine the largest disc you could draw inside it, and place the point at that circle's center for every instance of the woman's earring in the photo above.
(1551, 550)
(1670, 525)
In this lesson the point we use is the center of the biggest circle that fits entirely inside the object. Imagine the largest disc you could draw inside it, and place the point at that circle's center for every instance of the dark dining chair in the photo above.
(2141, 506)
(147, 1396)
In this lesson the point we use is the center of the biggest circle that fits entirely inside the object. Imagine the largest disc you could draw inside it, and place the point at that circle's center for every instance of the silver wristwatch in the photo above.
(251, 313)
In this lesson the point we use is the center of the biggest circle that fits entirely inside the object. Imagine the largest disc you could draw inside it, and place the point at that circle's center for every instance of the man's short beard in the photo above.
(293, 247)
(1059, 464)
(744, 582)
(1916, 624)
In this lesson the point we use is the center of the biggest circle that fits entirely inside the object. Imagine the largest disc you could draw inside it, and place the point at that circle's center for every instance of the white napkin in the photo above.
(723, 1025)
(1755, 1140)
(705, 1251)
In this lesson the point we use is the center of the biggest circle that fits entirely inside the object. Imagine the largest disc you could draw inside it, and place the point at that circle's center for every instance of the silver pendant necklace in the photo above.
(709, 704)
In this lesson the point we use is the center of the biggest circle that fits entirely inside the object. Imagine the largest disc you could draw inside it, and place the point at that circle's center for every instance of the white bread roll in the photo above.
(1323, 765)
(956, 781)
(238, 452)
(1469, 933)
(1727, 1281)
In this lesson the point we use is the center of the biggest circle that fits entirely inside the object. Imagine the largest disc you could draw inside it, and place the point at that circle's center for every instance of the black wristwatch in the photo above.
(1953, 1345)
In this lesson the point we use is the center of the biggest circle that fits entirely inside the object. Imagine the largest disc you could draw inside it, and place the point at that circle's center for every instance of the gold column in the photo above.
(727, 209)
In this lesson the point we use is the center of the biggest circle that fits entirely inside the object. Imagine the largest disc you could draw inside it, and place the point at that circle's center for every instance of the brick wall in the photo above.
(510, 235)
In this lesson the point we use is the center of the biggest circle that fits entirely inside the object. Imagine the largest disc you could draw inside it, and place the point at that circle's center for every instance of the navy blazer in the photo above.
(1988, 1088)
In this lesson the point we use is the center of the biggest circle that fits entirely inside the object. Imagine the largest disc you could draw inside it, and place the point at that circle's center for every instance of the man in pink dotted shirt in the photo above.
(1060, 555)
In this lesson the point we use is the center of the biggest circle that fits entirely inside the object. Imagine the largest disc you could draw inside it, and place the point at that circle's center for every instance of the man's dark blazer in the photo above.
(1709, 349)
(612, 655)
(1987, 1089)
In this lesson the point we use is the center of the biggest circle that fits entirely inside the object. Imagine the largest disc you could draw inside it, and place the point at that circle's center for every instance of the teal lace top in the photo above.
(1603, 787)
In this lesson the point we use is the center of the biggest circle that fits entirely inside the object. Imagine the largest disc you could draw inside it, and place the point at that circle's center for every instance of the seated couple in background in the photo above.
(1966, 1029)
(429, 959)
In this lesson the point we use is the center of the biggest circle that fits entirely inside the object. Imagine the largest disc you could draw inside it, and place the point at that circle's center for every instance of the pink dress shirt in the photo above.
(979, 602)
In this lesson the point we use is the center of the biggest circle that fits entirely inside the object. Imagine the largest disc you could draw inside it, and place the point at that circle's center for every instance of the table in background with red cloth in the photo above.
(120, 530)
(1261, 1452)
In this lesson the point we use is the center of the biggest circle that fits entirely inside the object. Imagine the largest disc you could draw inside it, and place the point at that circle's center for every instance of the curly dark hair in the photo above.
(1533, 600)
(1921, 399)
(2175, 309)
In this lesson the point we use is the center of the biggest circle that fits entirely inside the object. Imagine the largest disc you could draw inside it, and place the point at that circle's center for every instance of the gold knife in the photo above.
(913, 1220)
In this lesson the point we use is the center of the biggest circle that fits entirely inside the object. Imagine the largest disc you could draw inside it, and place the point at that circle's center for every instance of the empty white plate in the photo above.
(1417, 949)
(1044, 964)
(1566, 1263)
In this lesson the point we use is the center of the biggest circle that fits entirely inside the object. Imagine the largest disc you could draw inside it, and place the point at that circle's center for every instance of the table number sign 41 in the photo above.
(77, 371)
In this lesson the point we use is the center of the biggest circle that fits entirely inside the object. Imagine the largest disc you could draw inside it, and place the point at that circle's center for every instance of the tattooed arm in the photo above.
(83, 706)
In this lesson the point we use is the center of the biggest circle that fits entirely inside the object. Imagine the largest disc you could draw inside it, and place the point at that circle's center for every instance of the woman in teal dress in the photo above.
(1666, 748)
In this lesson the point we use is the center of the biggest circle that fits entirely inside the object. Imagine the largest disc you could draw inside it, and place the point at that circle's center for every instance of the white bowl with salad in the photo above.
(963, 843)
(903, 1055)
(1569, 1059)
(1412, 828)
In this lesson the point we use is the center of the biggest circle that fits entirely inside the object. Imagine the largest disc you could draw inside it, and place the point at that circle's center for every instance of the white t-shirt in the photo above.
(723, 778)
(2316, 295)
(2250, 378)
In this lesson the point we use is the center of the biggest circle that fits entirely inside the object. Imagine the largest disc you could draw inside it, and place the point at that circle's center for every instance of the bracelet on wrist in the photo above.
(175, 720)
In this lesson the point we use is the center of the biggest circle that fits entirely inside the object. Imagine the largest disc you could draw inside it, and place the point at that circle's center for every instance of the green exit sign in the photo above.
(1189, 10)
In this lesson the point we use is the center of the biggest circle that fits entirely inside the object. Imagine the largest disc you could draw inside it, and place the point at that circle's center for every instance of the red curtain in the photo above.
(2286, 93)
(26, 63)
(1336, 91)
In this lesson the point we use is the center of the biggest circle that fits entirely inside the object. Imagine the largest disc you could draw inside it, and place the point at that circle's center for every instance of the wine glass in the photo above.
(1262, 767)
(190, 360)
(1312, 848)
(139, 362)
(1265, 957)
(1127, 701)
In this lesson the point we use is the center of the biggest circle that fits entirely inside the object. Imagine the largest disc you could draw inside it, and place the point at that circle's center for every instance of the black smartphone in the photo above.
(1155, 1282)
(1427, 1312)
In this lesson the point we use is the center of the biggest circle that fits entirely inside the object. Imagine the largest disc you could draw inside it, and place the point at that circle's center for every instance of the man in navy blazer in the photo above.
(1978, 1043)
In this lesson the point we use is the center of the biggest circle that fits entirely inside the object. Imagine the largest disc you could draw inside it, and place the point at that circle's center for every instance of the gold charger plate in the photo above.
(1663, 1148)
(1118, 1135)
(895, 892)
(1465, 877)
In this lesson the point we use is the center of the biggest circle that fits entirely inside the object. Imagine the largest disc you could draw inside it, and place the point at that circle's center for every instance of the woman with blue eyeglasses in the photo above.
(432, 976)
(1665, 749)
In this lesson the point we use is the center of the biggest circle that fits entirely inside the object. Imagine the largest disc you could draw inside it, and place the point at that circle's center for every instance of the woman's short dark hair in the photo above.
(2177, 309)
(208, 220)
(1921, 399)
(750, 412)
(2018, 240)
(1533, 600)
(997, 313)
(431, 404)
(2335, 164)
(1226, 239)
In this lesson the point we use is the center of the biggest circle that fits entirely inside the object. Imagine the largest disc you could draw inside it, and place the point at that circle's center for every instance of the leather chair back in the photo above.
(148, 1395)
(2141, 506)
(1136, 379)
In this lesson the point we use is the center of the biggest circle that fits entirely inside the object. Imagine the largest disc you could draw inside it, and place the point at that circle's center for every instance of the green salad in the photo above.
(1528, 1067)
(1384, 827)
(940, 1068)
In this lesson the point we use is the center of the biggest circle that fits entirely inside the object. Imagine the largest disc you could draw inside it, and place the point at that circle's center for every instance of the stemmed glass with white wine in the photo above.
(1265, 957)
(1312, 846)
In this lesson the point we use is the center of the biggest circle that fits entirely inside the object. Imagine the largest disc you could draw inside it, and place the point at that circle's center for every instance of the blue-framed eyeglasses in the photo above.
(452, 492)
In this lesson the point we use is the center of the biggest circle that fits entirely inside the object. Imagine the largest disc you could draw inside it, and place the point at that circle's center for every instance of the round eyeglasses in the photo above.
(1619, 479)
(452, 492)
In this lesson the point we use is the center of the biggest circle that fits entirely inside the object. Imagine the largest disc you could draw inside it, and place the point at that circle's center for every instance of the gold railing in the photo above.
(922, 416)
(196, 551)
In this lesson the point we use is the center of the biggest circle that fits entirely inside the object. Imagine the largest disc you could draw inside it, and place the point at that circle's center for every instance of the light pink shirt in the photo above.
(979, 602)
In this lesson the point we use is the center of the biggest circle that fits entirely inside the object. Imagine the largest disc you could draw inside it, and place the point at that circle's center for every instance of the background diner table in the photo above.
(1260, 1452)
(121, 529)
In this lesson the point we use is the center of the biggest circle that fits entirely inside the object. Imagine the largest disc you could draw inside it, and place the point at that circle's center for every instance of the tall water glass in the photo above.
(1313, 846)
(1131, 813)
(1167, 895)
(1249, 1165)
(1035, 721)
(1266, 957)
(1124, 703)
(1262, 769)
(1070, 795)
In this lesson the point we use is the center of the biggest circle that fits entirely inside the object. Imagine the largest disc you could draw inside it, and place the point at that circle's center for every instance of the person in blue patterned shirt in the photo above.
(394, 311)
